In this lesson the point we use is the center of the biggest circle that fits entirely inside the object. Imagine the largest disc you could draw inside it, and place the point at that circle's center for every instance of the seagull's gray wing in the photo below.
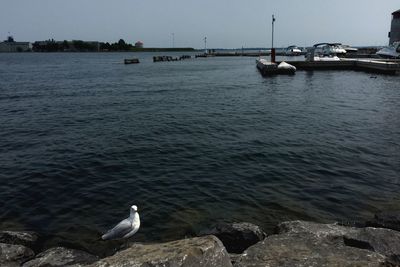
(119, 231)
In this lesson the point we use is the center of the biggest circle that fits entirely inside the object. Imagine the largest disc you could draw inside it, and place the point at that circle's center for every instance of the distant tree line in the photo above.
(82, 46)
(121, 45)
(65, 46)
(79, 46)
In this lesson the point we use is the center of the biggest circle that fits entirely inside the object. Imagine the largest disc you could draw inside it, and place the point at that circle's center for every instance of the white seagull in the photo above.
(125, 228)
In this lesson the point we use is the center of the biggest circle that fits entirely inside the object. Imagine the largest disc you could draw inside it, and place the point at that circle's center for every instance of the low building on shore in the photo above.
(10, 45)
(394, 34)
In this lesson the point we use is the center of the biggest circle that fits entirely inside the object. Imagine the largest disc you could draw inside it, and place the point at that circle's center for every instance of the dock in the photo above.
(370, 65)
(169, 58)
(131, 61)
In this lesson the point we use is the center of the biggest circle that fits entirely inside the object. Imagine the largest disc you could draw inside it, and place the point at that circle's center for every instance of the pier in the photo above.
(370, 65)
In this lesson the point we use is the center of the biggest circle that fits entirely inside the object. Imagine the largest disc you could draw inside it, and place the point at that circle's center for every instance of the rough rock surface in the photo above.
(60, 256)
(383, 241)
(300, 243)
(27, 239)
(14, 255)
(237, 237)
(386, 219)
(300, 250)
(200, 251)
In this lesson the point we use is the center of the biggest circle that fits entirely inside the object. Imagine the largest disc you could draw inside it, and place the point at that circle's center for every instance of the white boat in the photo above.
(392, 51)
(349, 49)
(292, 51)
(333, 49)
(328, 58)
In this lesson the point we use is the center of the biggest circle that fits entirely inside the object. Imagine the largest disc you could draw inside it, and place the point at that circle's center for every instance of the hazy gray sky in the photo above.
(226, 23)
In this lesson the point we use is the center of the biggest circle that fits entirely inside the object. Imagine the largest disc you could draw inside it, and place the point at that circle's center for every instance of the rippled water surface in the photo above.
(191, 143)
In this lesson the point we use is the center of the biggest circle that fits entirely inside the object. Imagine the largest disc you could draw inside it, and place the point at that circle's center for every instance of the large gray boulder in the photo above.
(14, 255)
(205, 251)
(383, 241)
(289, 250)
(237, 237)
(60, 256)
(27, 239)
(300, 243)
(386, 219)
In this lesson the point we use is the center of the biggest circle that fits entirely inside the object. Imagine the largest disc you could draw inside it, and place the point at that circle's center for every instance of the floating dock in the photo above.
(169, 58)
(370, 65)
(131, 61)
(268, 68)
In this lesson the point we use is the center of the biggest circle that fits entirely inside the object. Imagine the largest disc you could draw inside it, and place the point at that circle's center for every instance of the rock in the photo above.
(237, 237)
(200, 251)
(14, 255)
(386, 219)
(27, 239)
(306, 250)
(317, 229)
(234, 257)
(300, 243)
(383, 241)
(60, 256)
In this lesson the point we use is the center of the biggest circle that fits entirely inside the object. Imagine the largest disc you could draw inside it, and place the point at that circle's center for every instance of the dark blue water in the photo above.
(191, 143)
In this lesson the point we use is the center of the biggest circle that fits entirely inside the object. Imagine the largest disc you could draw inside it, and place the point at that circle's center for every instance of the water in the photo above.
(195, 142)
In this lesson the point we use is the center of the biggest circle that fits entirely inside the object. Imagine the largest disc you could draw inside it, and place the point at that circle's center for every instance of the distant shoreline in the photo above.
(185, 49)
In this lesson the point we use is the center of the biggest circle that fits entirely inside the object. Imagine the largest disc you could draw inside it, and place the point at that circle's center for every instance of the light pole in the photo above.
(273, 21)
(205, 45)
(272, 46)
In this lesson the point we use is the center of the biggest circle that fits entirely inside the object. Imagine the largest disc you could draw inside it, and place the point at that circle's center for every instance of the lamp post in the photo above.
(205, 45)
(273, 21)
(272, 46)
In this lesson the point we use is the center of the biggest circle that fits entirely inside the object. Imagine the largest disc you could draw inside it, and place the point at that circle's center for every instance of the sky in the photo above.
(185, 23)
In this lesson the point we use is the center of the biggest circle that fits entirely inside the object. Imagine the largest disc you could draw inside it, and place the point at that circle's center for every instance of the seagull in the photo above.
(125, 228)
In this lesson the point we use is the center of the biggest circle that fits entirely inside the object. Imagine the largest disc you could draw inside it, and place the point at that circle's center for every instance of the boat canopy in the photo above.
(330, 44)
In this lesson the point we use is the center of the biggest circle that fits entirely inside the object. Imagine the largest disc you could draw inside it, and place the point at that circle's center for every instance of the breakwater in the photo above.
(293, 243)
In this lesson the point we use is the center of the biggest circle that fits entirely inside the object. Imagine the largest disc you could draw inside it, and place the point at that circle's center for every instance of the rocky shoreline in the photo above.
(294, 243)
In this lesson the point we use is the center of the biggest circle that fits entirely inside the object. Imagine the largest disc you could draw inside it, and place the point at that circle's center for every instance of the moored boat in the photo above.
(292, 51)
(392, 51)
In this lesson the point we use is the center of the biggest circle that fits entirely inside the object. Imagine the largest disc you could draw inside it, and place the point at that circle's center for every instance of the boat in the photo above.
(292, 51)
(334, 49)
(349, 49)
(392, 51)
(326, 58)
(325, 52)
(268, 68)
(131, 61)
